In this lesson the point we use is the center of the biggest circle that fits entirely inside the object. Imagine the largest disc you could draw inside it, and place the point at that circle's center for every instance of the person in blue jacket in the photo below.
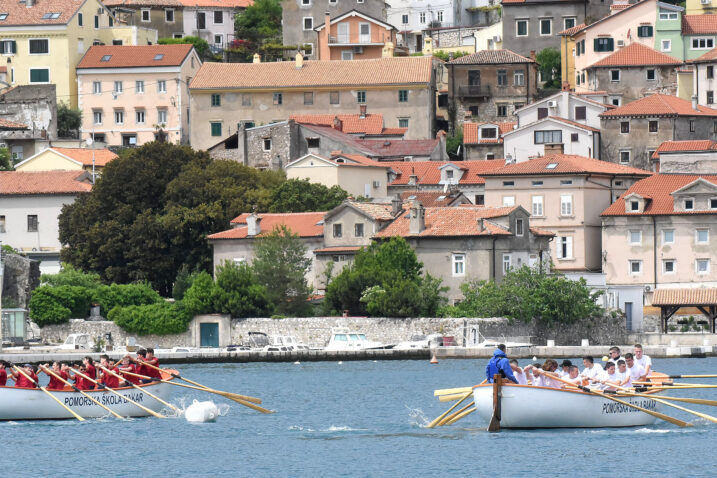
(499, 364)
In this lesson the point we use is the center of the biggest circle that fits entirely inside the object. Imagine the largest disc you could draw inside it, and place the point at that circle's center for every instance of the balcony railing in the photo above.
(473, 91)
(346, 40)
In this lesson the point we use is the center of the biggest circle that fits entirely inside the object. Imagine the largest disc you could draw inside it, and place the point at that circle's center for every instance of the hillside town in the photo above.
(579, 136)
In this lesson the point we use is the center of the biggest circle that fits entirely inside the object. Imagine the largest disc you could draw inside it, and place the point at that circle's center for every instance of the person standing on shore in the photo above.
(643, 360)
(499, 364)
(3, 373)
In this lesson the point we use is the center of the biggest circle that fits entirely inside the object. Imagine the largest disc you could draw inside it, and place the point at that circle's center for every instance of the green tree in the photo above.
(237, 292)
(299, 195)
(152, 209)
(69, 120)
(69, 275)
(200, 45)
(258, 25)
(453, 143)
(549, 63)
(280, 264)
(198, 298)
(5, 160)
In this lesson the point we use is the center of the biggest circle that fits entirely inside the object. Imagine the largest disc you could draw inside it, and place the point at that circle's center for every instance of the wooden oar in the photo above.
(449, 418)
(452, 391)
(228, 395)
(699, 414)
(696, 401)
(245, 398)
(20, 371)
(690, 376)
(494, 425)
(659, 415)
(443, 415)
(103, 387)
(681, 387)
(464, 414)
(450, 398)
(74, 387)
(140, 388)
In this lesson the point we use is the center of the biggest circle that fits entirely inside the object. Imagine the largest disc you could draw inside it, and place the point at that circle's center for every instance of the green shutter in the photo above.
(40, 76)
(596, 45)
(14, 46)
(610, 44)
(216, 129)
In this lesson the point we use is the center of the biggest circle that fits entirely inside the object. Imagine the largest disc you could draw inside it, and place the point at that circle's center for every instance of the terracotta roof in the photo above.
(429, 173)
(336, 249)
(452, 221)
(284, 74)
(637, 54)
(378, 211)
(180, 3)
(573, 123)
(430, 198)
(124, 56)
(19, 14)
(572, 31)
(659, 105)
(695, 296)
(657, 189)
(491, 57)
(6, 124)
(394, 131)
(565, 164)
(357, 159)
(619, 6)
(14, 183)
(541, 232)
(3, 69)
(305, 224)
(699, 24)
(399, 147)
(685, 146)
(707, 57)
(84, 155)
(470, 132)
(351, 124)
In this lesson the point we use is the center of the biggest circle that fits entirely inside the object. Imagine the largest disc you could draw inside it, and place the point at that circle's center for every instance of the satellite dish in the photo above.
(89, 141)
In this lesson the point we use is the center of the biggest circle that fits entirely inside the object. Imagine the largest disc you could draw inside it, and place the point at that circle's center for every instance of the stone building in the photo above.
(686, 157)
(491, 84)
(484, 140)
(28, 119)
(632, 133)
(634, 72)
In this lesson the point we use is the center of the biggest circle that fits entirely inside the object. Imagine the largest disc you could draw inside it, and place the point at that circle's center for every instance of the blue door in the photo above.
(628, 315)
(209, 335)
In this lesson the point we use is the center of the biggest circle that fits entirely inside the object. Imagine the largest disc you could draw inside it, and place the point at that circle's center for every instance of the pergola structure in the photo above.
(671, 300)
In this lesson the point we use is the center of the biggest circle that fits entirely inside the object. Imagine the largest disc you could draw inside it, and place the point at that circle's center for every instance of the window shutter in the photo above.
(14, 46)
(596, 45)
(542, 113)
(569, 247)
(559, 248)
(610, 44)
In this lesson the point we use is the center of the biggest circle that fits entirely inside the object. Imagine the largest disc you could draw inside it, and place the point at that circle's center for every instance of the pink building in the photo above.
(354, 36)
(131, 95)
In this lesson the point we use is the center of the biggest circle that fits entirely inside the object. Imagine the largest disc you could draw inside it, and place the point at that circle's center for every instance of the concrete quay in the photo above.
(575, 351)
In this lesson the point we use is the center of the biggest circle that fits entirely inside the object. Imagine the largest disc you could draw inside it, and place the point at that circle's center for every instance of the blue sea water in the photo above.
(354, 419)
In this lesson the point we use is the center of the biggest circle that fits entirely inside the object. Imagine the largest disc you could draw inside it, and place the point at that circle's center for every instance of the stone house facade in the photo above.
(28, 119)
(549, 136)
(632, 133)
(686, 157)
(484, 140)
(491, 84)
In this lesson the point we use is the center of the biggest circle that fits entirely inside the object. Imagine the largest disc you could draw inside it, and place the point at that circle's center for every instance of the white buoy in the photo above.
(200, 412)
(297, 363)
(535, 359)
(340, 363)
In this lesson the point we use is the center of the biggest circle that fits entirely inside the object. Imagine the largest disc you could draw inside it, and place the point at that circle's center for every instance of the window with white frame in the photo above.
(668, 266)
(139, 87)
(665, 15)
(635, 237)
(162, 86)
(440, 15)
(689, 204)
(569, 22)
(518, 78)
(668, 236)
(162, 116)
(713, 203)
(625, 157)
(651, 74)
(666, 45)
(614, 75)
(169, 15)
(635, 267)
(537, 208)
(702, 236)
(507, 262)
(564, 247)
(702, 266)
(146, 15)
(566, 205)
(218, 17)
(546, 26)
(119, 116)
(459, 265)
(266, 146)
(139, 116)
(521, 28)
(404, 19)
(508, 201)
(97, 87)
(97, 116)
(39, 46)
(703, 43)
(118, 87)
(308, 23)
(634, 206)
(422, 17)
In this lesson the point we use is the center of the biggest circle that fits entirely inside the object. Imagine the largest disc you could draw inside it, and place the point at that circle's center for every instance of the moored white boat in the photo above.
(34, 404)
(525, 406)
(345, 339)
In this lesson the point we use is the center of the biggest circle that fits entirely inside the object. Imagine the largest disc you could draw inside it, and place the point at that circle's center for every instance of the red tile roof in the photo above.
(430, 198)
(358, 159)
(684, 146)
(470, 132)
(305, 224)
(565, 164)
(541, 232)
(694, 296)
(452, 221)
(84, 155)
(491, 57)
(351, 124)
(411, 70)
(13, 183)
(124, 56)
(710, 56)
(657, 189)
(429, 173)
(19, 14)
(659, 105)
(572, 31)
(378, 211)
(394, 131)
(573, 123)
(400, 147)
(6, 124)
(180, 3)
(699, 24)
(637, 54)
(619, 6)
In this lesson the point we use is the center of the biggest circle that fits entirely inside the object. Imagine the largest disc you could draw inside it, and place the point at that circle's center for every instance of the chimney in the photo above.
(388, 49)
(299, 60)
(252, 225)
(554, 148)
(417, 219)
(566, 86)
(428, 46)
(257, 58)
(396, 205)
(481, 225)
(362, 111)
(694, 102)
(508, 159)
(338, 124)
(532, 55)
(412, 179)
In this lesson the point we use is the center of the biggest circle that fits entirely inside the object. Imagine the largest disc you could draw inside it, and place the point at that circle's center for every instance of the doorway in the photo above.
(209, 334)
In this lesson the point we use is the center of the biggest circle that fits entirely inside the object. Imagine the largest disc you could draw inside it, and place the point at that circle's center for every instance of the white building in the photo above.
(30, 205)
(412, 17)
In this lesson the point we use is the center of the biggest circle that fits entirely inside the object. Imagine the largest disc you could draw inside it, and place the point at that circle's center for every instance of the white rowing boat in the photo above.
(525, 406)
(34, 404)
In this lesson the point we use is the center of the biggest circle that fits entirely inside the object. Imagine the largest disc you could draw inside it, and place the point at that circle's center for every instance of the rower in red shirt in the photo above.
(80, 381)
(107, 379)
(126, 366)
(152, 360)
(23, 382)
(139, 365)
(90, 371)
(3, 373)
(55, 383)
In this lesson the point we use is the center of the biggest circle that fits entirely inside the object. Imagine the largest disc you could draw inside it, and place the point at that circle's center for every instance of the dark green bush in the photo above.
(56, 305)
(124, 295)
(71, 276)
(160, 318)
(198, 298)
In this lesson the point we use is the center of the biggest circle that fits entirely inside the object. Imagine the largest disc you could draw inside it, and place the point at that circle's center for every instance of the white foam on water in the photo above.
(334, 428)
(417, 417)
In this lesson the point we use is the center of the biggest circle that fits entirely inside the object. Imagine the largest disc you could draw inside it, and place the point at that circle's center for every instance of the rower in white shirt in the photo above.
(644, 360)
(634, 370)
(518, 373)
(551, 366)
(574, 376)
(591, 370)
(564, 370)
(614, 355)
(611, 378)
(532, 373)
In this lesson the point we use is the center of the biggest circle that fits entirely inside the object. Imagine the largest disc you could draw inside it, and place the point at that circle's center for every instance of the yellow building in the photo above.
(567, 54)
(67, 159)
(699, 7)
(43, 40)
